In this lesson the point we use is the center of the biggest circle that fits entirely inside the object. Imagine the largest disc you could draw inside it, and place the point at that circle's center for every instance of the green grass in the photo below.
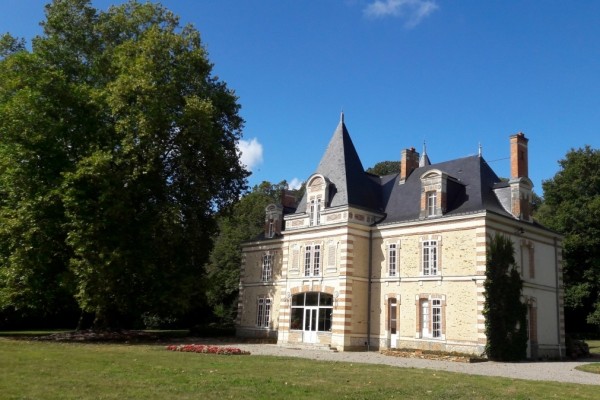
(594, 346)
(593, 368)
(41, 370)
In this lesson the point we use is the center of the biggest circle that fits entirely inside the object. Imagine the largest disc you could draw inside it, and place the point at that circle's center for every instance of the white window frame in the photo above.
(314, 215)
(436, 318)
(392, 259)
(430, 317)
(263, 312)
(431, 203)
(430, 258)
(312, 260)
(267, 267)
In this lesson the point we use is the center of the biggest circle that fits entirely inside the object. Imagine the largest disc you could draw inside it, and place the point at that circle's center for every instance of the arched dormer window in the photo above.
(434, 184)
(317, 193)
(273, 220)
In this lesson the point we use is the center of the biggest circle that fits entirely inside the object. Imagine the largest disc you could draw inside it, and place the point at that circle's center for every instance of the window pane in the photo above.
(298, 299)
(326, 299)
(312, 298)
(296, 322)
(317, 260)
(325, 319)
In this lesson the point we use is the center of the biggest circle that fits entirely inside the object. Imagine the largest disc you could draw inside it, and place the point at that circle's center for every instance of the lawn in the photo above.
(42, 370)
(594, 346)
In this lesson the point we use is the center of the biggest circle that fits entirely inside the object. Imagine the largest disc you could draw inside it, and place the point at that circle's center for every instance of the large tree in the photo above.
(117, 149)
(572, 207)
(244, 223)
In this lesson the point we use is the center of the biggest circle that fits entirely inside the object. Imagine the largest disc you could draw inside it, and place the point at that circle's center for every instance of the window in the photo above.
(431, 203)
(315, 212)
(267, 267)
(392, 315)
(312, 311)
(430, 257)
(271, 229)
(436, 318)
(312, 260)
(263, 314)
(392, 259)
(431, 315)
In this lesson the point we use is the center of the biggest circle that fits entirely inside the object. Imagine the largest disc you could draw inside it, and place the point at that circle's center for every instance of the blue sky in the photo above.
(455, 74)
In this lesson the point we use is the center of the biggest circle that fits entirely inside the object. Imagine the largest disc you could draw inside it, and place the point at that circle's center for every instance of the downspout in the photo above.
(370, 281)
(557, 298)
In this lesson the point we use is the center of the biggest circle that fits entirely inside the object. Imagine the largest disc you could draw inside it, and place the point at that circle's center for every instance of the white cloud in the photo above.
(294, 184)
(412, 11)
(251, 153)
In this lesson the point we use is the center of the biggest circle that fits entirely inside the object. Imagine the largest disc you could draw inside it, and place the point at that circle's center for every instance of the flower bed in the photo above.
(206, 349)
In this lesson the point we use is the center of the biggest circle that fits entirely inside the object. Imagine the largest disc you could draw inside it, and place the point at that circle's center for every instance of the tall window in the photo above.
(431, 203)
(431, 317)
(436, 318)
(267, 267)
(392, 315)
(271, 229)
(263, 313)
(314, 215)
(392, 258)
(312, 260)
(430, 257)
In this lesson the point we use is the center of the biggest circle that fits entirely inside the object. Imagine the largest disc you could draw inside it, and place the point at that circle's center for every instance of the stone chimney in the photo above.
(408, 163)
(518, 156)
(520, 184)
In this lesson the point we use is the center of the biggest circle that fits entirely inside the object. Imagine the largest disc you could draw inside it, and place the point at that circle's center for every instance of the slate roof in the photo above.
(470, 184)
(350, 184)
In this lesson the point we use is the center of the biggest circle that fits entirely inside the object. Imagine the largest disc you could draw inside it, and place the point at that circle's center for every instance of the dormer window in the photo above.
(434, 184)
(273, 220)
(431, 203)
(315, 212)
(317, 190)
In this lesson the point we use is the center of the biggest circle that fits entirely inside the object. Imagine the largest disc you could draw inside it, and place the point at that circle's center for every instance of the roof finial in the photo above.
(424, 160)
(480, 149)
(342, 116)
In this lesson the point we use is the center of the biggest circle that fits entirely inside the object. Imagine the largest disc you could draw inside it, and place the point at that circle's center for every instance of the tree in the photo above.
(118, 149)
(572, 207)
(505, 314)
(385, 168)
(246, 222)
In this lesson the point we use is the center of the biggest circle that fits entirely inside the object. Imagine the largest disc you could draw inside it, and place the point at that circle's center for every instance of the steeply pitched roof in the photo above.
(350, 184)
(470, 183)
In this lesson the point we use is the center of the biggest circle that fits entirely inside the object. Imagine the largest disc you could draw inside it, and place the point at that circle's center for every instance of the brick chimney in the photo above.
(288, 200)
(518, 156)
(520, 184)
(408, 163)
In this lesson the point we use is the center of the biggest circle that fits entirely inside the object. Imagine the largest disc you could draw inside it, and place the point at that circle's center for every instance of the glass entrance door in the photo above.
(310, 324)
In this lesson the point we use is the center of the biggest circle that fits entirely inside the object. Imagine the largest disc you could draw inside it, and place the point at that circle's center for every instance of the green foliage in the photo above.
(385, 168)
(505, 314)
(245, 222)
(118, 148)
(572, 207)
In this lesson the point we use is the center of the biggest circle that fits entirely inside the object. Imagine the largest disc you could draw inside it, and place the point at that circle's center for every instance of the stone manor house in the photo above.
(398, 261)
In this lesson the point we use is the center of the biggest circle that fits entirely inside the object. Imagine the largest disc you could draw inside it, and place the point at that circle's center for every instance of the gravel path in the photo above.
(539, 371)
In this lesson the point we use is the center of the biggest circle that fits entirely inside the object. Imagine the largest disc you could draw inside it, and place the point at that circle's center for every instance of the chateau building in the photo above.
(398, 261)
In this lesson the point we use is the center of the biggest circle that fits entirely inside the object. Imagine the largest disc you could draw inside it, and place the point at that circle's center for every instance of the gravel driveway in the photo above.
(556, 371)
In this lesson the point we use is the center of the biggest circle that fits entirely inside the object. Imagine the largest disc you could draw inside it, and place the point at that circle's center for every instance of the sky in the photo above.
(452, 74)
